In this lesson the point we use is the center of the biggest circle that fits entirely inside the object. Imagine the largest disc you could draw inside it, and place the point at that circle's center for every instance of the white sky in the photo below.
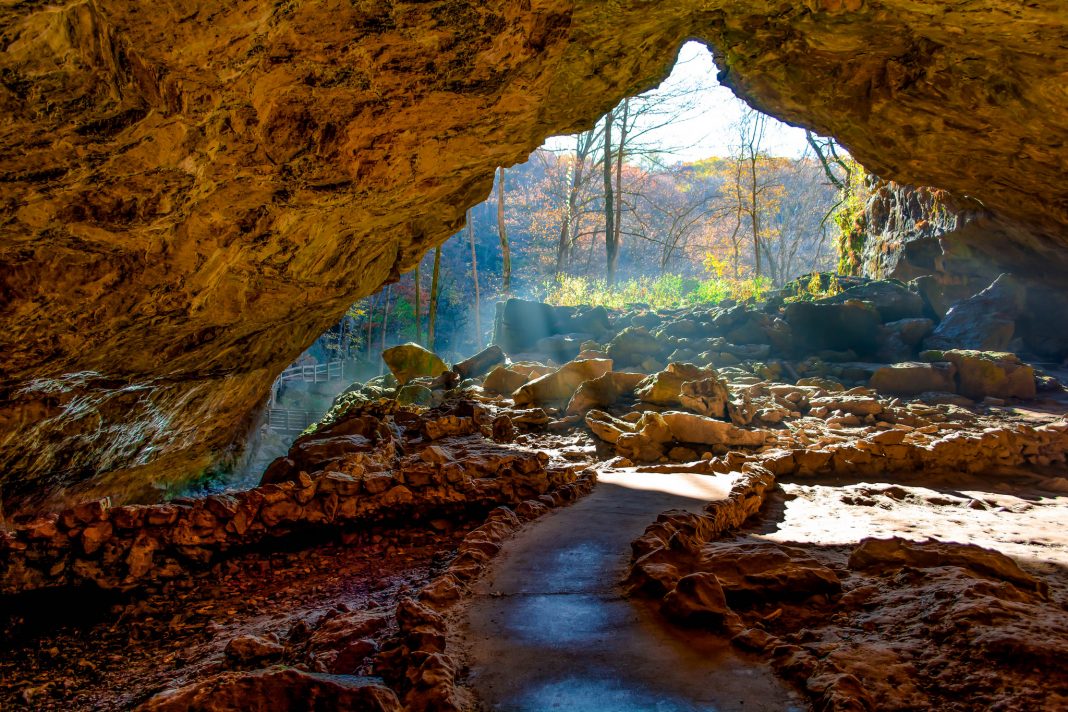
(703, 129)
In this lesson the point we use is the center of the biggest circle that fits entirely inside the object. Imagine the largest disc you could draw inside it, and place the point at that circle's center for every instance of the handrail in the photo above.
(314, 373)
(291, 420)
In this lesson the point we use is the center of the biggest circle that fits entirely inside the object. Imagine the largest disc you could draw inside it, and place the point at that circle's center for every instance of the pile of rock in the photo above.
(373, 465)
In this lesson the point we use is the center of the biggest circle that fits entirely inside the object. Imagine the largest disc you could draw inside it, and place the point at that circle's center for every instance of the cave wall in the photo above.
(191, 192)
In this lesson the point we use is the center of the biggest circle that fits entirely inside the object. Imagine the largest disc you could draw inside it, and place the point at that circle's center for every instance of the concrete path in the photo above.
(547, 628)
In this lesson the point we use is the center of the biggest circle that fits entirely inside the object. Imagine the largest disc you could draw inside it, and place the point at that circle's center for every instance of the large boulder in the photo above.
(892, 299)
(691, 428)
(912, 378)
(986, 373)
(411, 360)
(278, 690)
(664, 387)
(519, 324)
(587, 320)
(480, 363)
(504, 380)
(561, 384)
(833, 326)
(983, 322)
(634, 345)
(604, 391)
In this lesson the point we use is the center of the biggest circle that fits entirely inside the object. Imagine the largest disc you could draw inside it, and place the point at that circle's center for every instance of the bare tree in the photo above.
(610, 234)
(433, 315)
(474, 277)
(584, 145)
(418, 308)
(506, 256)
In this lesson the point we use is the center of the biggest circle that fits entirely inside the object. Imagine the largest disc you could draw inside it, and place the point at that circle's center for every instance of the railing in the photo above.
(314, 373)
(292, 420)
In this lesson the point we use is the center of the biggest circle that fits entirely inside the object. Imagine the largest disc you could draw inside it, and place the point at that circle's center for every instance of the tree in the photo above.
(584, 145)
(474, 278)
(610, 234)
(433, 315)
(418, 309)
(506, 257)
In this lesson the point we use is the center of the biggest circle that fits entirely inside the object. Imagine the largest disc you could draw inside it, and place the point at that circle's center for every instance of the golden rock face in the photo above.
(190, 192)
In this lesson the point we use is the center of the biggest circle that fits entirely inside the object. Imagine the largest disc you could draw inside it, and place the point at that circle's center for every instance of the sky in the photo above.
(702, 128)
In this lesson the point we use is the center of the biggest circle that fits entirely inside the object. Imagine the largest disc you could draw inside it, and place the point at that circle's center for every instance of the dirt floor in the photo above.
(97, 652)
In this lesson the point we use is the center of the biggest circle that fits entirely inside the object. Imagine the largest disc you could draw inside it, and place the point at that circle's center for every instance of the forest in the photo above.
(623, 214)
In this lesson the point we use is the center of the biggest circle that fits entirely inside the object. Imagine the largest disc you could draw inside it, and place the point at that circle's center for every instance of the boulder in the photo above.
(604, 391)
(910, 331)
(276, 691)
(836, 326)
(415, 394)
(664, 387)
(634, 345)
(562, 383)
(1044, 323)
(890, 298)
(706, 396)
(606, 427)
(985, 321)
(912, 378)
(519, 324)
(504, 380)
(411, 360)
(480, 363)
(587, 320)
(984, 373)
(691, 428)
(561, 347)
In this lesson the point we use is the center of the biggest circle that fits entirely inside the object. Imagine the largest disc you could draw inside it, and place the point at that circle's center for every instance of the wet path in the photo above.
(547, 628)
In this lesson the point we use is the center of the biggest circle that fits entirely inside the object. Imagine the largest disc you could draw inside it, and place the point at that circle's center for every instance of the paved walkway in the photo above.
(547, 628)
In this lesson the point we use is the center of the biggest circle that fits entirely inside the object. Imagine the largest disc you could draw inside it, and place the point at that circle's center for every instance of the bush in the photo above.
(668, 291)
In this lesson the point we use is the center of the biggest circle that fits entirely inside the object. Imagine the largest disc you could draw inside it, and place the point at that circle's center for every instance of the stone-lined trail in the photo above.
(548, 628)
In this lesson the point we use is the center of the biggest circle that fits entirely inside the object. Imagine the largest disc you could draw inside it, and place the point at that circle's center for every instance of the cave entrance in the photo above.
(704, 199)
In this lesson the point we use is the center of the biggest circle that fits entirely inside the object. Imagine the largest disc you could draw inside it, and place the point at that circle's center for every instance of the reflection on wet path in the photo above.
(548, 629)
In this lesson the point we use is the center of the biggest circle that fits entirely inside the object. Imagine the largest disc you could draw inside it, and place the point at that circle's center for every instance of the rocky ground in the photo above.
(321, 608)
(891, 540)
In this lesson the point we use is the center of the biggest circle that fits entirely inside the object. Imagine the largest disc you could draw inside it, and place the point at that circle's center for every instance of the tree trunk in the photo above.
(754, 214)
(474, 278)
(418, 309)
(617, 240)
(569, 228)
(609, 206)
(370, 324)
(385, 324)
(506, 256)
(433, 315)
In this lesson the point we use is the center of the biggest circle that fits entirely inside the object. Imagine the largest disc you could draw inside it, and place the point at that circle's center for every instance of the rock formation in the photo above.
(192, 192)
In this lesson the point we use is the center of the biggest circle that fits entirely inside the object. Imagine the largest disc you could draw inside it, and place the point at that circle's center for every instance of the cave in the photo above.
(192, 193)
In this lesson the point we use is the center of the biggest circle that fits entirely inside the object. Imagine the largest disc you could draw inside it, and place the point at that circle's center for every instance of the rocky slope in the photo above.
(193, 191)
